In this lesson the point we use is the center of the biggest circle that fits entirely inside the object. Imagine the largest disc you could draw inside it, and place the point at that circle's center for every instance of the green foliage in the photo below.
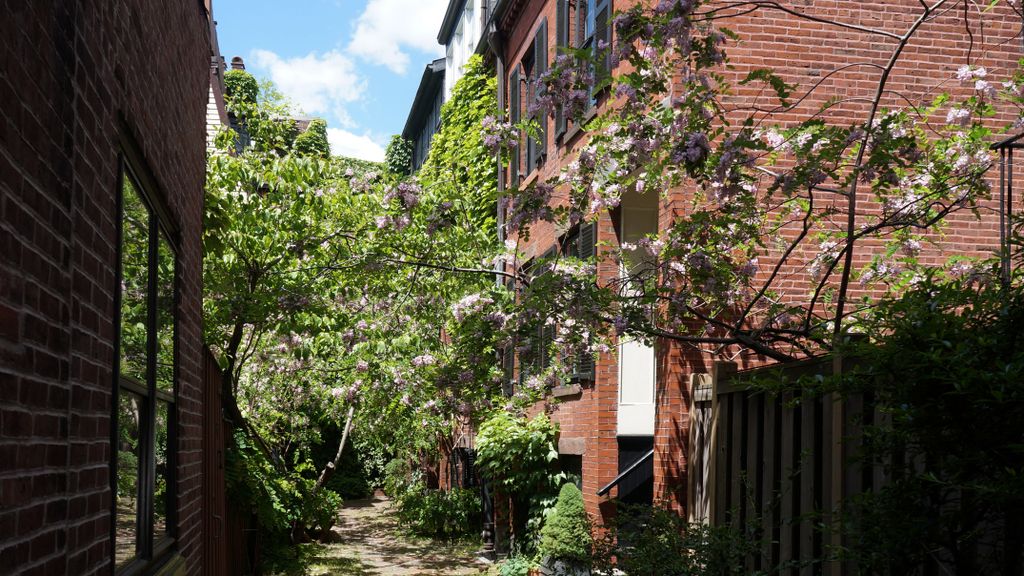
(652, 541)
(516, 566)
(313, 142)
(945, 365)
(459, 165)
(516, 454)
(439, 513)
(240, 87)
(519, 457)
(566, 532)
(279, 499)
(398, 156)
(262, 115)
(398, 477)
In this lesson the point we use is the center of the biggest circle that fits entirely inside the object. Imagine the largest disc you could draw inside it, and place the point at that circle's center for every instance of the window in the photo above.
(594, 33)
(525, 87)
(638, 219)
(536, 63)
(562, 28)
(536, 356)
(146, 372)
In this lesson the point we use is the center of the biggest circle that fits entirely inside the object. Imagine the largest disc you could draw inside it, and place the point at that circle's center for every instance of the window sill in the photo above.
(529, 178)
(567, 390)
(577, 127)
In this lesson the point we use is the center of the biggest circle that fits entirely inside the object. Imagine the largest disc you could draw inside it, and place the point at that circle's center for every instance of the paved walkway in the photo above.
(370, 543)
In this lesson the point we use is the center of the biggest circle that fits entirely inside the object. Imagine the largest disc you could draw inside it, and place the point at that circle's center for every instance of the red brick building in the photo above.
(633, 406)
(102, 166)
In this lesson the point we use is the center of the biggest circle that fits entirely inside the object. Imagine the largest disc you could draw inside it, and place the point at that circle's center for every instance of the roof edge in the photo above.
(431, 81)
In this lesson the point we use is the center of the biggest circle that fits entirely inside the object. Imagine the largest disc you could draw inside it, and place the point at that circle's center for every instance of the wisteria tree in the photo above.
(332, 286)
(842, 191)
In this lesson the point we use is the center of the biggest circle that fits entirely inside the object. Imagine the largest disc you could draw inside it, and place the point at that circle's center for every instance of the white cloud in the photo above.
(318, 83)
(387, 26)
(345, 143)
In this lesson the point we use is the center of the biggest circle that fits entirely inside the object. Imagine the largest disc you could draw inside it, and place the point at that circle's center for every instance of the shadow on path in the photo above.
(369, 542)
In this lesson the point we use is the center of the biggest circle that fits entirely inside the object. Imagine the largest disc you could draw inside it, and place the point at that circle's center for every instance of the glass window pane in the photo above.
(165, 317)
(161, 495)
(129, 415)
(134, 284)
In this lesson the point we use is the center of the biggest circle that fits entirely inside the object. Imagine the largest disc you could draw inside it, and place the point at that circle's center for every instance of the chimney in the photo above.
(237, 63)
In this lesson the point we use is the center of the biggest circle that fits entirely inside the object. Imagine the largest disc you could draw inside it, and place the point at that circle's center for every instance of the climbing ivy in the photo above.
(313, 142)
(458, 160)
(240, 87)
(398, 156)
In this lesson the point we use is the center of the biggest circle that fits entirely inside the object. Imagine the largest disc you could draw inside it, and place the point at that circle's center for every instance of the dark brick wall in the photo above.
(75, 78)
(802, 53)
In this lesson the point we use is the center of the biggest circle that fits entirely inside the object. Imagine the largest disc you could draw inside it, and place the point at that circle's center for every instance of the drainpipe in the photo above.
(495, 43)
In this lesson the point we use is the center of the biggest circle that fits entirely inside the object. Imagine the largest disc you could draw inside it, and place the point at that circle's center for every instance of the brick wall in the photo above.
(803, 53)
(77, 78)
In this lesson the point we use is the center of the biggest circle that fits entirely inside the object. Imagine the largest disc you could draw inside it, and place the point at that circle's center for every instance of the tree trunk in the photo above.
(332, 466)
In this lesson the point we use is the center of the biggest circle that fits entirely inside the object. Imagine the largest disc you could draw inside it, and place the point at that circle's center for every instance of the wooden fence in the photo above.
(214, 512)
(775, 466)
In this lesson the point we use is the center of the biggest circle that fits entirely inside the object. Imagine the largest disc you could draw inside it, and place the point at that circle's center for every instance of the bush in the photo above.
(945, 365)
(652, 541)
(439, 513)
(566, 533)
(398, 477)
(516, 566)
(240, 86)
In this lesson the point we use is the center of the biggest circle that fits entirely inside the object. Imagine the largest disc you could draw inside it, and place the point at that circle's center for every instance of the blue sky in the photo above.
(356, 63)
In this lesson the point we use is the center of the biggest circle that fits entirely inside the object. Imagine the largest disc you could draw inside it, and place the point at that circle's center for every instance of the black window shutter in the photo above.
(587, 240)
(561, 41)
(585, 248)
(514, 103)
(508, 363)
(540, 55)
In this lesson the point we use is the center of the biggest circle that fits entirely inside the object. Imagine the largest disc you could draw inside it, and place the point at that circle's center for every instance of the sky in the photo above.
(355, 63)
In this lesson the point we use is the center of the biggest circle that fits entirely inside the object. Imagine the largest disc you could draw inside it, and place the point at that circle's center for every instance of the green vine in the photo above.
(458, 160)
(313, 142)
(398, 156)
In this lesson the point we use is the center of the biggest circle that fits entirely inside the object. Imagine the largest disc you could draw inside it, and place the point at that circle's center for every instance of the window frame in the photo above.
(588, 30)
(152, 551)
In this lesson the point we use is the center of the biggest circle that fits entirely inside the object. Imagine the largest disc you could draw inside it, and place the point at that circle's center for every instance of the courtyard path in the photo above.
(369, 542)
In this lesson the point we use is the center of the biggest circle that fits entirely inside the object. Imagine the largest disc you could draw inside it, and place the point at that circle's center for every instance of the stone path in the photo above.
(370, 543)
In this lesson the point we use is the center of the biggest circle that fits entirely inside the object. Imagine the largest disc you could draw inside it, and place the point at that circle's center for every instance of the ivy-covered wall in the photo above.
(458, 159)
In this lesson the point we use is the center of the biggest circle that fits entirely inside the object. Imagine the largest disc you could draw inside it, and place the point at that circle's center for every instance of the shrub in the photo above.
(398, 477)
(440, 513)
(566, 533)
(652, 541)
(516, 566)
(519, 457)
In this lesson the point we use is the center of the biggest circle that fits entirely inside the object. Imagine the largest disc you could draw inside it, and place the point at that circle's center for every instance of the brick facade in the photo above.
(81, 82)
(803, 53)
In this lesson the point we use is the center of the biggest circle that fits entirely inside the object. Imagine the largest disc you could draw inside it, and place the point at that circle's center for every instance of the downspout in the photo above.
(495, 43)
